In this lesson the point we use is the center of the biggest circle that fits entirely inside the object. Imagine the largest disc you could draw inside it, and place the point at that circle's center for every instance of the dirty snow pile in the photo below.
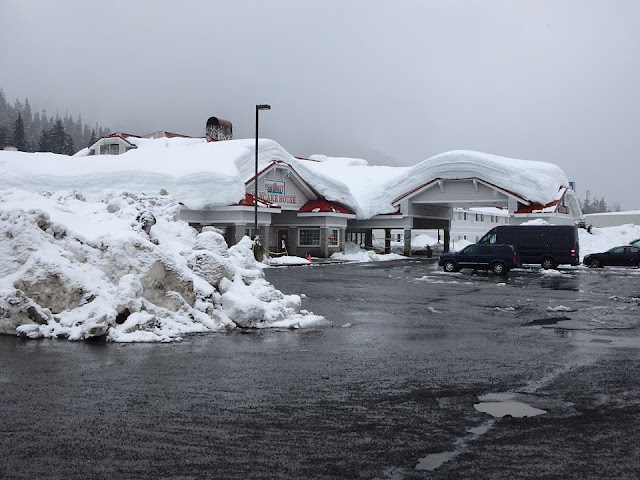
(354, 253)
(125, 268)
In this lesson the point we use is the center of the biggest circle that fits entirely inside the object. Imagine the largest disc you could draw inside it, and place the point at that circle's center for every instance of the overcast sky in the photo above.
(393, 81)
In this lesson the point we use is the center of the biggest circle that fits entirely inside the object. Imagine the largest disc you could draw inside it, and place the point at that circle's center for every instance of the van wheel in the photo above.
(499, 268)
(449, 266)
(547, 263)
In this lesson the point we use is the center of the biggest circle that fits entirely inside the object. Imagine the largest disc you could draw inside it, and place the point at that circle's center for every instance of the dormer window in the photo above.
(109, 149)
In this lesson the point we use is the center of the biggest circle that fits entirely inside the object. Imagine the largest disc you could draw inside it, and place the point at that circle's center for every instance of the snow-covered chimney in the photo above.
(219, 129)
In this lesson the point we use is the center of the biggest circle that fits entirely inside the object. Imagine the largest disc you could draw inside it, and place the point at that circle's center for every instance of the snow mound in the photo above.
(602, 239)
(125, 268)
(354, 253)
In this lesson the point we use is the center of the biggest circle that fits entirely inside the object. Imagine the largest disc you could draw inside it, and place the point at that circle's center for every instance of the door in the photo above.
(283, 240)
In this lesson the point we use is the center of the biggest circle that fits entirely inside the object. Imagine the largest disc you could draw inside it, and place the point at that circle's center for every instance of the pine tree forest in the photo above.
(39, 132)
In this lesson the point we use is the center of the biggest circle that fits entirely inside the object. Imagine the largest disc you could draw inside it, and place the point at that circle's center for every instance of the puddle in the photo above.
(508, 409)
(506, 405)
(546, 321)
(435, 460)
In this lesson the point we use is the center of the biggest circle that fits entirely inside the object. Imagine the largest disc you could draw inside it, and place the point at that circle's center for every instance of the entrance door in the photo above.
(283, 240)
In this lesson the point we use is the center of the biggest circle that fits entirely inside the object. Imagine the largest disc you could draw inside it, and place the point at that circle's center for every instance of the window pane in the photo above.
(333, 237)
(309, 237)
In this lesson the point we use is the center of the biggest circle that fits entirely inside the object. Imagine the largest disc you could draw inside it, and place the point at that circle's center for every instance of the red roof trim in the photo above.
(248, 201)
(536, 207)
(164, 134)
(324, 206)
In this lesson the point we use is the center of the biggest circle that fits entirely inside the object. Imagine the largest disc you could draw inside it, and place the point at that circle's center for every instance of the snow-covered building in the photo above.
(613, 219)
(305, 206)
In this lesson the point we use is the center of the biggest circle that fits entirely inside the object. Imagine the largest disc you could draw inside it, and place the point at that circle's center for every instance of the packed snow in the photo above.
(127, 269)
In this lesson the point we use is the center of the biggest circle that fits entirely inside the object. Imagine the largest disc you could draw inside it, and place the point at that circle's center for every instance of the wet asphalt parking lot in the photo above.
(386, 389)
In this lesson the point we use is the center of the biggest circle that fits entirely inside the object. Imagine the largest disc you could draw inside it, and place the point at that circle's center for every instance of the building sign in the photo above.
(274, 186)
(275, 193)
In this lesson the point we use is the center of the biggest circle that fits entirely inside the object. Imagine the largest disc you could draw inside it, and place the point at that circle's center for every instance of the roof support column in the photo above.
(407, 242)
(387, 240)
(447, 239)
(324, 242)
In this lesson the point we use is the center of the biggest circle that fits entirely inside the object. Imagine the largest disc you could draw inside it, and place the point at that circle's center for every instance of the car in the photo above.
(625, 255)
(635, 243)
(497, 258)
(546, 245)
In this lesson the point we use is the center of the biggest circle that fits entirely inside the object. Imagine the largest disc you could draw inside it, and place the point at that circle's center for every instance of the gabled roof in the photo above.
(121, 135)
(282, 163)
(428, 184)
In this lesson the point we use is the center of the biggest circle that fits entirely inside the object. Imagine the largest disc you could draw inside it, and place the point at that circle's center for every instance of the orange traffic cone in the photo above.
(309, 258)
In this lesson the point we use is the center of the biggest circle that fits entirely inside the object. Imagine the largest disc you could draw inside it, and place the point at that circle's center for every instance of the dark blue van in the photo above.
(547, 245)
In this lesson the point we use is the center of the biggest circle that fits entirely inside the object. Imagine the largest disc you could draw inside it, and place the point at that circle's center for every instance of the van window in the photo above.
(489, 238)
(470, 250)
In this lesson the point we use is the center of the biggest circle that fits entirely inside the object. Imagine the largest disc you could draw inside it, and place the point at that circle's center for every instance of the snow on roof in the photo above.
(200, 173)
(537, 182)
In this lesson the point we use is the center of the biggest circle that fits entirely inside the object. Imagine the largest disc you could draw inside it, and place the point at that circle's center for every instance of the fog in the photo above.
(393, 82)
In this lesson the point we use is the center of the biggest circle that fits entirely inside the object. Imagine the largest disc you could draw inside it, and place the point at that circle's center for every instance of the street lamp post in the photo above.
(255, 178)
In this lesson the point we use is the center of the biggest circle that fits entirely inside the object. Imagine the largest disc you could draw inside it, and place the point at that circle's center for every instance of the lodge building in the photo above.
(295, 218)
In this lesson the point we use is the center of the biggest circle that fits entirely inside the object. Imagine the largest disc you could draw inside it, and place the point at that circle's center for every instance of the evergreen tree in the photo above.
(43, 145)
(19, 139)
(5, 137)
(57, 140)
(31, 126)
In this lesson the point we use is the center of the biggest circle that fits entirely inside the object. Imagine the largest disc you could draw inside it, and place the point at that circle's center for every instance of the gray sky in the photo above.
(393, 81)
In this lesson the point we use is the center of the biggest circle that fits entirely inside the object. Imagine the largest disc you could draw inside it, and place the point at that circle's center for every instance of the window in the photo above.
(109, 149)
(465, 215)
(309, 237)
(334, 238)
(356, 237)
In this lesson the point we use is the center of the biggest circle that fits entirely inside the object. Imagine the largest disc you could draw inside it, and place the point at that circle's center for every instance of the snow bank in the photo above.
(602, 239)
(127, 269)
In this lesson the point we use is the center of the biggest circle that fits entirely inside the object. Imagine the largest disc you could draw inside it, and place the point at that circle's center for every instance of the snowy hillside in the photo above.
(126, 268)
